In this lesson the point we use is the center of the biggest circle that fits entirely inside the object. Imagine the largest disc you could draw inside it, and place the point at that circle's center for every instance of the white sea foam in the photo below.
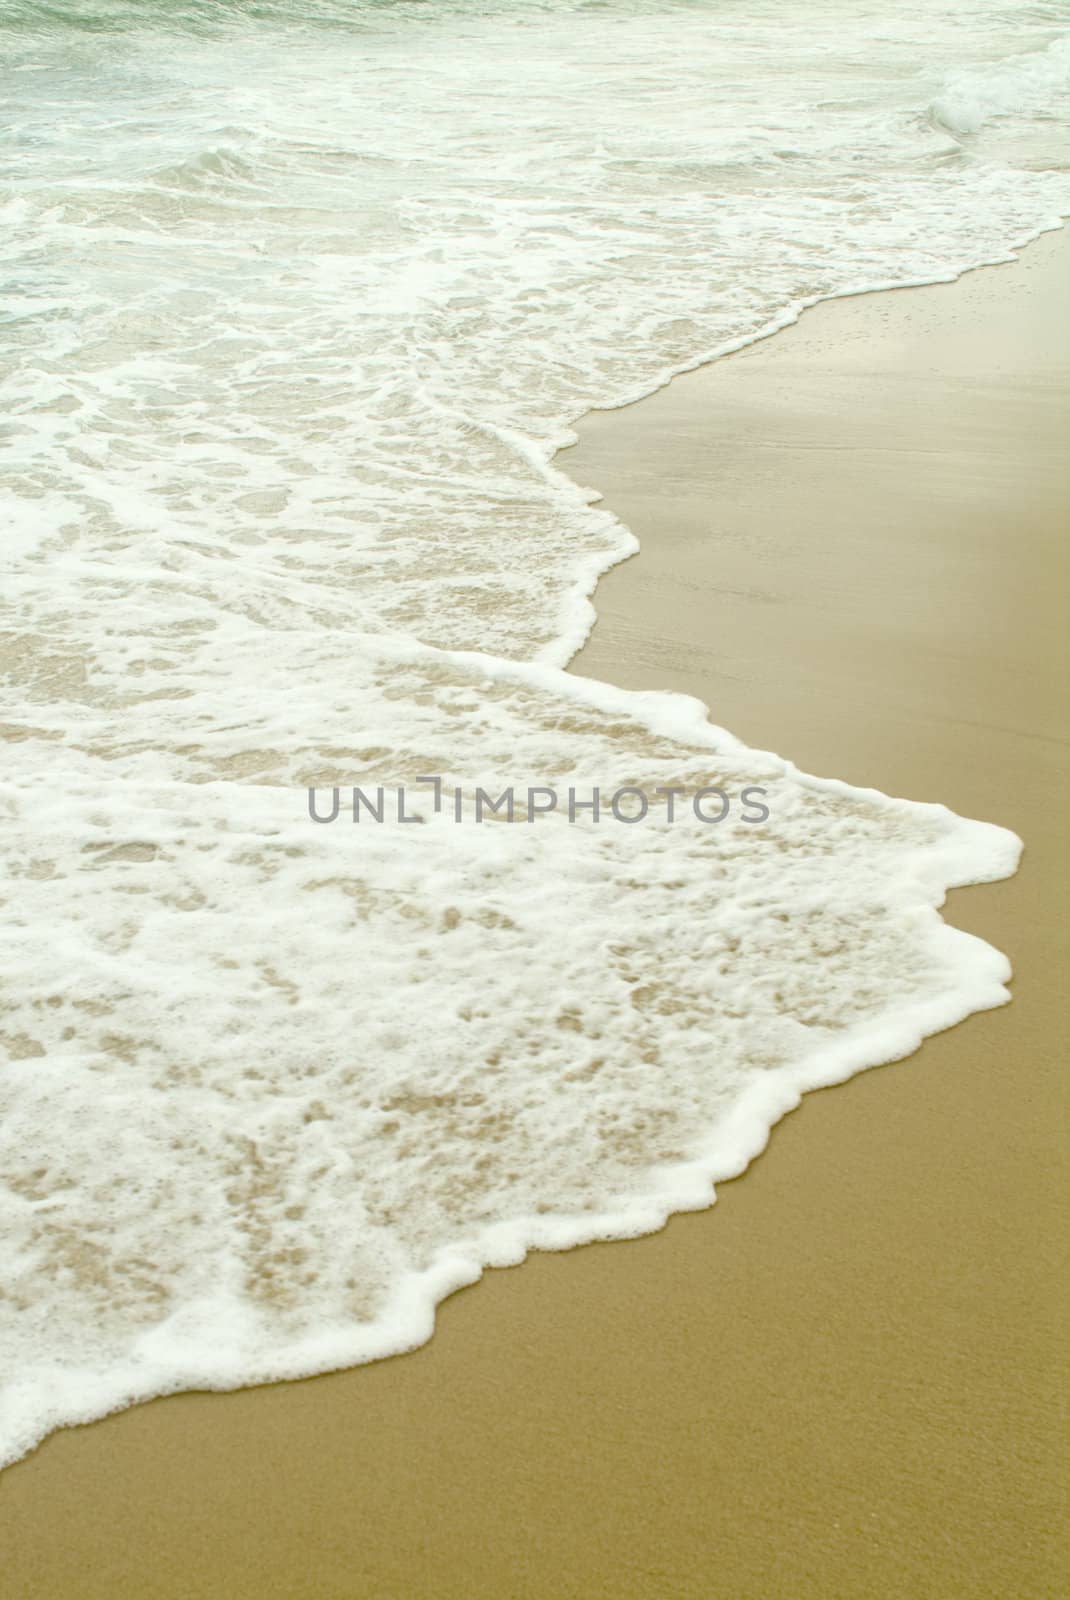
(288, 350)
(1032, 85)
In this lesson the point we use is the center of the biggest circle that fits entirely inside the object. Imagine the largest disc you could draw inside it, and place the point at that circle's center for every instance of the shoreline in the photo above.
(570, 1362)
(734, 347)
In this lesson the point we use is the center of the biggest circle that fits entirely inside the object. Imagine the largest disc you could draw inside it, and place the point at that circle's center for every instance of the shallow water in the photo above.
(298, 303)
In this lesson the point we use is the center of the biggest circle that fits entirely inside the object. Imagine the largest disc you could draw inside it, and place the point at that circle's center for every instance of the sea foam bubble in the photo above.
(276, 1087)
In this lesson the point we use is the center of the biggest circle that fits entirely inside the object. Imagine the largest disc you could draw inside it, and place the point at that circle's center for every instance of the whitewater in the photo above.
(298, 303)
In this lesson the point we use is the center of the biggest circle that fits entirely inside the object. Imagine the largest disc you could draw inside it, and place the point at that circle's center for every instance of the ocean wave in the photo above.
(293, 337)
(1031, 85)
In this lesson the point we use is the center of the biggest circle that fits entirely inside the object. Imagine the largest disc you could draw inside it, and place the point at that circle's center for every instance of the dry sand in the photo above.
(844, 1381)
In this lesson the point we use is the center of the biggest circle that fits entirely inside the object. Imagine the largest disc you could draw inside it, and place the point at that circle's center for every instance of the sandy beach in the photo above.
(847, 1380)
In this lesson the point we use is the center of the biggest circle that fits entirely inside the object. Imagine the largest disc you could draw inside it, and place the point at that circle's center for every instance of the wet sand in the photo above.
(848, 1379)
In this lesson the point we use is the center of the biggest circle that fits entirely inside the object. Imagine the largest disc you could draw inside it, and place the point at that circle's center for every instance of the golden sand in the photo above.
(844, 1382)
